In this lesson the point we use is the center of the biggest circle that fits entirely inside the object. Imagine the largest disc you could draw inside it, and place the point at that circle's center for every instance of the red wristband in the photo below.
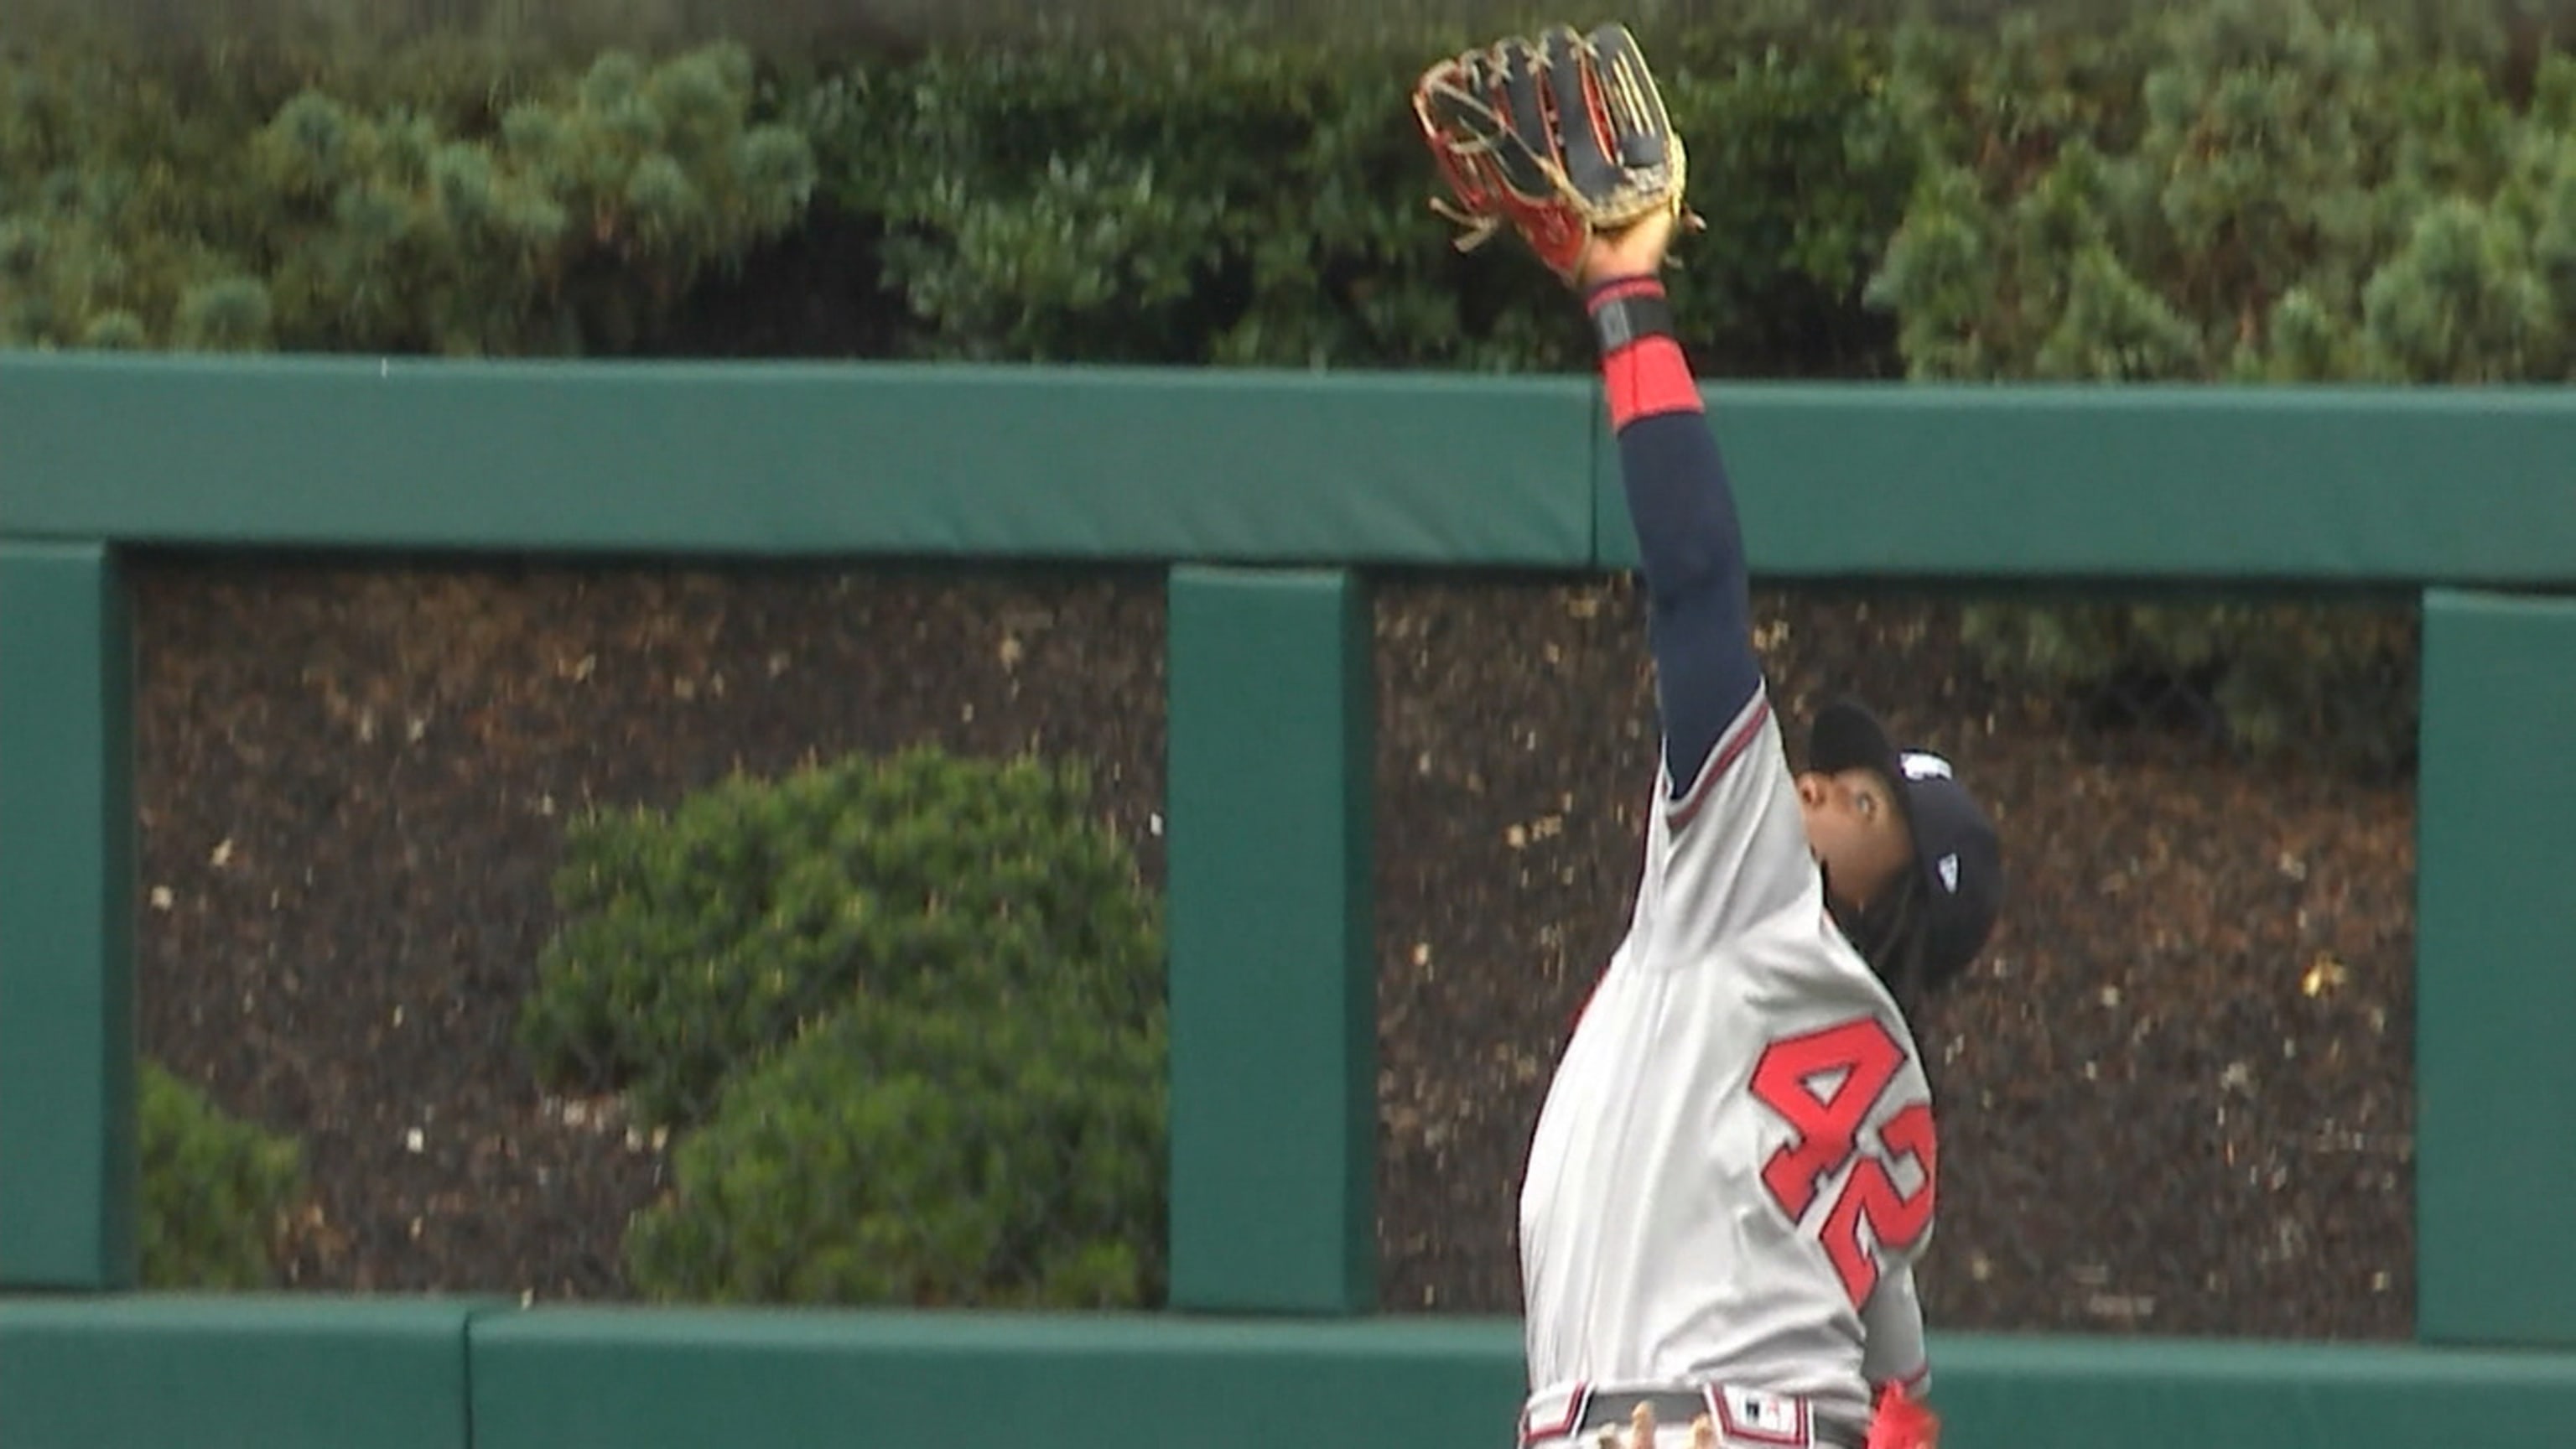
(1645, 372)
(1647, 378)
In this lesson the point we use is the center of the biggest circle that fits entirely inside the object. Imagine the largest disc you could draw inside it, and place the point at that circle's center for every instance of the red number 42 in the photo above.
(1861, 1057)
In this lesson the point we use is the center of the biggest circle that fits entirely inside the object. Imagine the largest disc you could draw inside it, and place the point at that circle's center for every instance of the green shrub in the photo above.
(2233, 190)
(2334, 681)
(2252, 190)
(998, 1149)
(144, 207)
(1210, 189)
(217, 1192)
(695, 939)
(909, 1015)
(1213, 192)
(2248, 191)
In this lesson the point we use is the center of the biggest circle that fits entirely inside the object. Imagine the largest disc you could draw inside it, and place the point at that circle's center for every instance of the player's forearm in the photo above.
(1689, 543)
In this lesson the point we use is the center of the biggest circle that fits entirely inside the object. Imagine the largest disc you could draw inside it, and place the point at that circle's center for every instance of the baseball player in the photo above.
(1736, 1164)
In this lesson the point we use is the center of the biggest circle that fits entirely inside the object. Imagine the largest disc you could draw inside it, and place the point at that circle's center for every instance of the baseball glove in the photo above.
(1561, 139)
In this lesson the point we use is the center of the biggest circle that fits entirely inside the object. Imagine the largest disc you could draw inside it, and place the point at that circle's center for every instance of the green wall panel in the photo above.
(610, 1379)
(606, 1379)
(67, 1165)
(2409, 486)
(220, 1372)
(795, 459)
(306, 1372)
(1273, 961)
(2426, 485)
(2495, 1080)
(2121, 1392)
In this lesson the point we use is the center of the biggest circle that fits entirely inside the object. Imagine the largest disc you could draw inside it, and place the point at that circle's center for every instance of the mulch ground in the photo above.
(2176, 1095)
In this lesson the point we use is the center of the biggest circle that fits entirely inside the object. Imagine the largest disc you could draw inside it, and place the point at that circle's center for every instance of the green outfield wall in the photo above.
(247, 1372)
(2322, 485)
(1272, 498)
(326, 1373)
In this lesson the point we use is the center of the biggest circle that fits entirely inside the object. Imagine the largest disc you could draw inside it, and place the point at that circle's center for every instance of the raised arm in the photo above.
(1699, 624)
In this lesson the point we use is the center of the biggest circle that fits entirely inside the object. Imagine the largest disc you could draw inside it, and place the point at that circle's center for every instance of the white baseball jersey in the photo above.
(1733, 1171)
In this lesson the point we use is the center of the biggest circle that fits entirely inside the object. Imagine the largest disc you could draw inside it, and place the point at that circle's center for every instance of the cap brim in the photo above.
(1846, 736)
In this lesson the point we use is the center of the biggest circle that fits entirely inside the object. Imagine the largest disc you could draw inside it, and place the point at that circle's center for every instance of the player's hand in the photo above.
(1635, 252)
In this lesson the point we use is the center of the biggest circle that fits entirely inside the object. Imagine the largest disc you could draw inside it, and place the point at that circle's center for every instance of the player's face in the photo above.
(1855, 828)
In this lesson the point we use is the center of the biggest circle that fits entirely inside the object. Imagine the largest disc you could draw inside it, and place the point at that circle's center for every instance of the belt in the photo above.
(1789, 1422)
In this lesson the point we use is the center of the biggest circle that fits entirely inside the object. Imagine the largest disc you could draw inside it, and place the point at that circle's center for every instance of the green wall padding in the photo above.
(2462, 486)
(610, 1379)
(67, 1032)
(1273, 962)
(2163, 484)
(220, 1372)
(2495, 1002)
(793, 459)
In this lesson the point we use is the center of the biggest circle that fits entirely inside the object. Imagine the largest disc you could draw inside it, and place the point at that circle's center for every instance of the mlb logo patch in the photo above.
(1746, 1417)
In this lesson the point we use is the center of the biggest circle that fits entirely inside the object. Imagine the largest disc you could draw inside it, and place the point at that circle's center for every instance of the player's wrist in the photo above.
(1628, 310)
(1610, 284)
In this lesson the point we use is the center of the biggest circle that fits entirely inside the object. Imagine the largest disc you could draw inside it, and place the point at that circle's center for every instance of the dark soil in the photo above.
(2177, 1093)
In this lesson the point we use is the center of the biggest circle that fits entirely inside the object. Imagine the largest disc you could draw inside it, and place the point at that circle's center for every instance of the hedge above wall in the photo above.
(2317, 191)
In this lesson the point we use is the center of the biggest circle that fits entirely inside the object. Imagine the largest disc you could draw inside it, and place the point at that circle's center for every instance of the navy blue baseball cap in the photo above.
(1955, 846)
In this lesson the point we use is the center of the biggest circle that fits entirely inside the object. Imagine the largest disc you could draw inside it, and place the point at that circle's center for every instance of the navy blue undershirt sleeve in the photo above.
(1699, 624)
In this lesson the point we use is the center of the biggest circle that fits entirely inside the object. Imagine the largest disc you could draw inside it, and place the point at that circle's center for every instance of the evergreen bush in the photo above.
(2255, 191)
(1000, 1148)
(234, 212)
(697, 938)
(1211, 192)
(908, 1014)
(2245, 191)
(217, 1193)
